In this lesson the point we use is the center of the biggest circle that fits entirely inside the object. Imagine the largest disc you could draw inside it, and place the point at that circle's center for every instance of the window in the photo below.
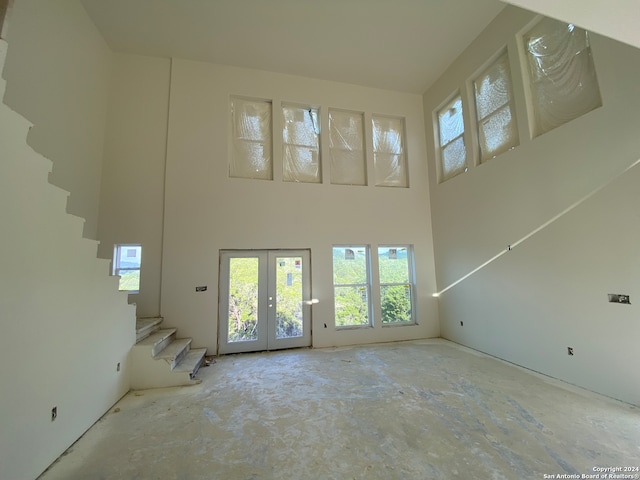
(497, 128)
(346, 144)
(301, 145)
(127, 260)
(453, 153)
(396, 284)
(251, 130)
(388, 152)
(351, 286)
(562, 75)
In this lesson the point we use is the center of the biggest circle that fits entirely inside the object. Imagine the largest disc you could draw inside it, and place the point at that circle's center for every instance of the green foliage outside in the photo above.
(130, 280)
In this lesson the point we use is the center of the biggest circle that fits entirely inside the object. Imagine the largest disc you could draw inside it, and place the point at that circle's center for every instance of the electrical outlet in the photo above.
(54, 413)
(461, 323)
(118, 367)
(570, 351)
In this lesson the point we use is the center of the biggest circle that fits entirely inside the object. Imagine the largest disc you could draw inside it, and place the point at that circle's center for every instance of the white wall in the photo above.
(132, 192)
(65, 327)
(206, 211)
(57, 71)
(616, 19)
(550, 292)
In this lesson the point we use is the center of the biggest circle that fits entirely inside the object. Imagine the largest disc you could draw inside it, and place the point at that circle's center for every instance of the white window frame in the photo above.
(117, 269)
(403, 181)
(335, 147)
(410, 285)
(237, 140)
(363, 286)
(510, 104)
(444, 176)
(314, 114)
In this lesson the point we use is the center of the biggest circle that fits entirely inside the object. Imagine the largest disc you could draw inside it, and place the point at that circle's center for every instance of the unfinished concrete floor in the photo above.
(414, 410)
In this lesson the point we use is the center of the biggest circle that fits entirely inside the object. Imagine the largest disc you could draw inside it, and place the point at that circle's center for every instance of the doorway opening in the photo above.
(263, 301)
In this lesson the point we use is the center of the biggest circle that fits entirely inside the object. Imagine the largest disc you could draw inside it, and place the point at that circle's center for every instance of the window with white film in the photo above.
(395, 266)
(497, 128)
(346, 144)
(127, 262)
(301, 144)
(251, 130)
(562, 75)
(351, 286)
(389, 159)
(453, 153)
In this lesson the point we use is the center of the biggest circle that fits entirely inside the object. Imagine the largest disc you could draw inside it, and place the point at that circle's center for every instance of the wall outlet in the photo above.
(461, 323)
(570, 351)
(619, 298)
(54, 413)
(118, 367)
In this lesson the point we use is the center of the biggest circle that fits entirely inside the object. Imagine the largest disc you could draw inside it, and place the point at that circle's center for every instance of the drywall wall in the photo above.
(617, 19)
(132, 192)
(58, 76)
(65, 327)
(206, 211)
(550, 292)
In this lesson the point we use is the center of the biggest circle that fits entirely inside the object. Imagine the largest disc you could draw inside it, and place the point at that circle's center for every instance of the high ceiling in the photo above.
(401, 45)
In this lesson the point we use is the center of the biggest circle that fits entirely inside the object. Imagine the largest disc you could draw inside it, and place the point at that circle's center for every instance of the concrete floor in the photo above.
(414, 410)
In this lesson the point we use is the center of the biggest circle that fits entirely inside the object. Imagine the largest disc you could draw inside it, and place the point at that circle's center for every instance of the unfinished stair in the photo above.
(159, 359)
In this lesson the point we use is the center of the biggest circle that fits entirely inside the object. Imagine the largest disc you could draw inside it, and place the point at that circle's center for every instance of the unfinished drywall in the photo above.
(57, 72)
(132, 192)
(550, 292)
(66, 331)
(206, 211)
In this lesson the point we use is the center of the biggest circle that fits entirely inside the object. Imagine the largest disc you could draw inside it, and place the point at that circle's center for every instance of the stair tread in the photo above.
(146, 323)
(193, 358)
(157, 337)
(174, 349)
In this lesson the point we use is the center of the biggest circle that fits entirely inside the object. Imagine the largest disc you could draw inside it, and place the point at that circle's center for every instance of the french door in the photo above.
(263, 300)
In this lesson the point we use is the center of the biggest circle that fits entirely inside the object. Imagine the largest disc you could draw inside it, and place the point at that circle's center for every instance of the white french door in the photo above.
(263, 300)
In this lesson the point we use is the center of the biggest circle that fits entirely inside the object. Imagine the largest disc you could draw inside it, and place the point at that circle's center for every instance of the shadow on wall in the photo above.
(4, 6)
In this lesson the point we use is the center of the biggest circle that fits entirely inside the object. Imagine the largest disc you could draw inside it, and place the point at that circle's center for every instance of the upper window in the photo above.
(301, 145)
(351, 286)
(127, 260)
(396, 284)
(251, 130)
(497, 128)
(562, 74)
(346, 143)
(453, 153)
(388, 152)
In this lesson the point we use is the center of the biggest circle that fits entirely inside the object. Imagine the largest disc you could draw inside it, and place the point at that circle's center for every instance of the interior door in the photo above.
(263, 300)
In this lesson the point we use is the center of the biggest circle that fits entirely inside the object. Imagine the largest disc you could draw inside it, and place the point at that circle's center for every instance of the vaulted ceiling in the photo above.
(401, 45)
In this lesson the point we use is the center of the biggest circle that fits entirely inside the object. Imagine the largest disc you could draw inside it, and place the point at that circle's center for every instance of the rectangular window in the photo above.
(251, 130)
(346, 143)
(389, 158)
(396, 284)
(301, 144)
(497, 128)
(351, 286)
(127, 260)
(453, 152)
(562, 74)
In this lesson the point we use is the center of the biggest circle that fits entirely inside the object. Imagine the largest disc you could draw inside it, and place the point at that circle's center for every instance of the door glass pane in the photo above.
(289, 297)
(243, 299)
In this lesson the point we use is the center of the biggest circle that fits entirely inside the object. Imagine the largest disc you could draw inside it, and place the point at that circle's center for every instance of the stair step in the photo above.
(157, 341)
(175, 351)
(147, 326)
(191, 362)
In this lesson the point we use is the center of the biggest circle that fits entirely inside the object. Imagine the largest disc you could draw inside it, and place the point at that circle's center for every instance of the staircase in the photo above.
(159, 359)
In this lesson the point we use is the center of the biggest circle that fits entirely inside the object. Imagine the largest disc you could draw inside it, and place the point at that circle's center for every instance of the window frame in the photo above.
(238, 140)
(117, 269)
(443, 176)
(511, 104)
(363, 149)
(317, 131)
(366, 286)
(403, 151)
(410, 284)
